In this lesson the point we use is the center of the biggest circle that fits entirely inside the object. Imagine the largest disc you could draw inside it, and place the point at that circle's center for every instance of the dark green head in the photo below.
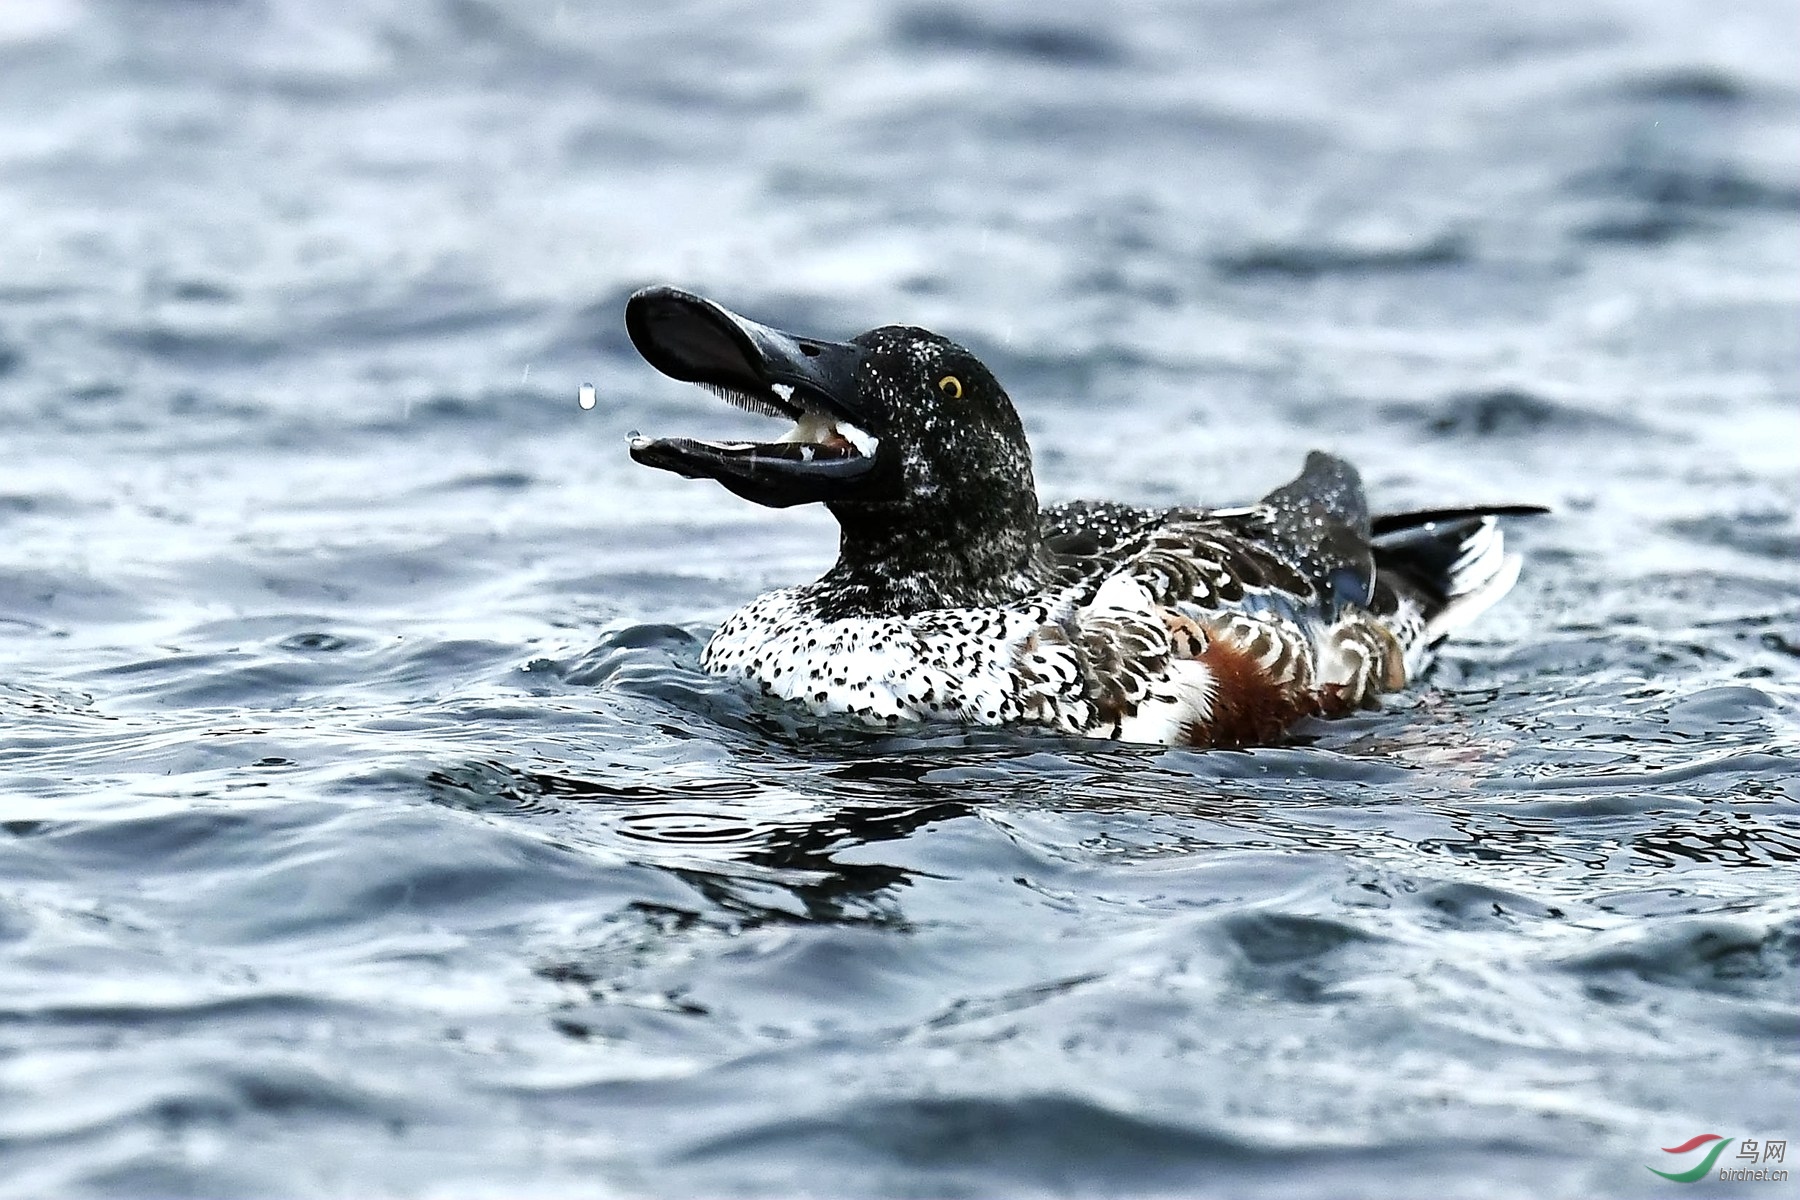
(904, 435)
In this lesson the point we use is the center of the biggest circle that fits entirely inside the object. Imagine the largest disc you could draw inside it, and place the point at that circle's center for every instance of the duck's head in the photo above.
(904, 435)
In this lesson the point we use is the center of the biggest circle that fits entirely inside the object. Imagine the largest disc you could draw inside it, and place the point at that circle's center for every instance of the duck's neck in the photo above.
(894, 561)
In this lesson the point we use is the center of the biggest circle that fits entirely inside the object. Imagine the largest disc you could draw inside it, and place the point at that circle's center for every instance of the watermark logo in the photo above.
(1712, 1156)
(1748, 1151)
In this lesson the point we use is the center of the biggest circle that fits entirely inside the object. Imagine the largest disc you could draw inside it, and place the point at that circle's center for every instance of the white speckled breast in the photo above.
(944, 664)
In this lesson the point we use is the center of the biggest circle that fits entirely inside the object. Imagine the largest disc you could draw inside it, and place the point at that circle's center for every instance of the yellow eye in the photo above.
(951, 386)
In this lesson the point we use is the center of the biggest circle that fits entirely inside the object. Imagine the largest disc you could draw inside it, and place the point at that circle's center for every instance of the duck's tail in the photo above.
(1452, 562)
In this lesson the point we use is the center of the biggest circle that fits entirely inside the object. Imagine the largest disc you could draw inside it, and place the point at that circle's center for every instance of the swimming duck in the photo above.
(955, 597)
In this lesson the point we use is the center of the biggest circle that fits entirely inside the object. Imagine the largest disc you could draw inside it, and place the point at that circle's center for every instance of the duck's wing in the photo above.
(1235, 622)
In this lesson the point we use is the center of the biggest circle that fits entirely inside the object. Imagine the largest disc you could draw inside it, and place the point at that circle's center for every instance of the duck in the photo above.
(956, 597)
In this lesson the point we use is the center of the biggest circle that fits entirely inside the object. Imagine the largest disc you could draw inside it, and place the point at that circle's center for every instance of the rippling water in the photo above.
(367, 829)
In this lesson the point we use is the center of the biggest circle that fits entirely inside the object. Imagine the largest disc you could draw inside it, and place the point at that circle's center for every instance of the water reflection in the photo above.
(720, 836)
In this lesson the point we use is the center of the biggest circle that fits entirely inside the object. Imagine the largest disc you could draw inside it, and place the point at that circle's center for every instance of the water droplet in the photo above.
(587, 395)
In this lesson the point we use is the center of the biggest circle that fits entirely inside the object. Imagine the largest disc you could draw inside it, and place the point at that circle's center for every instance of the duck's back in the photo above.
(1224, 626)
